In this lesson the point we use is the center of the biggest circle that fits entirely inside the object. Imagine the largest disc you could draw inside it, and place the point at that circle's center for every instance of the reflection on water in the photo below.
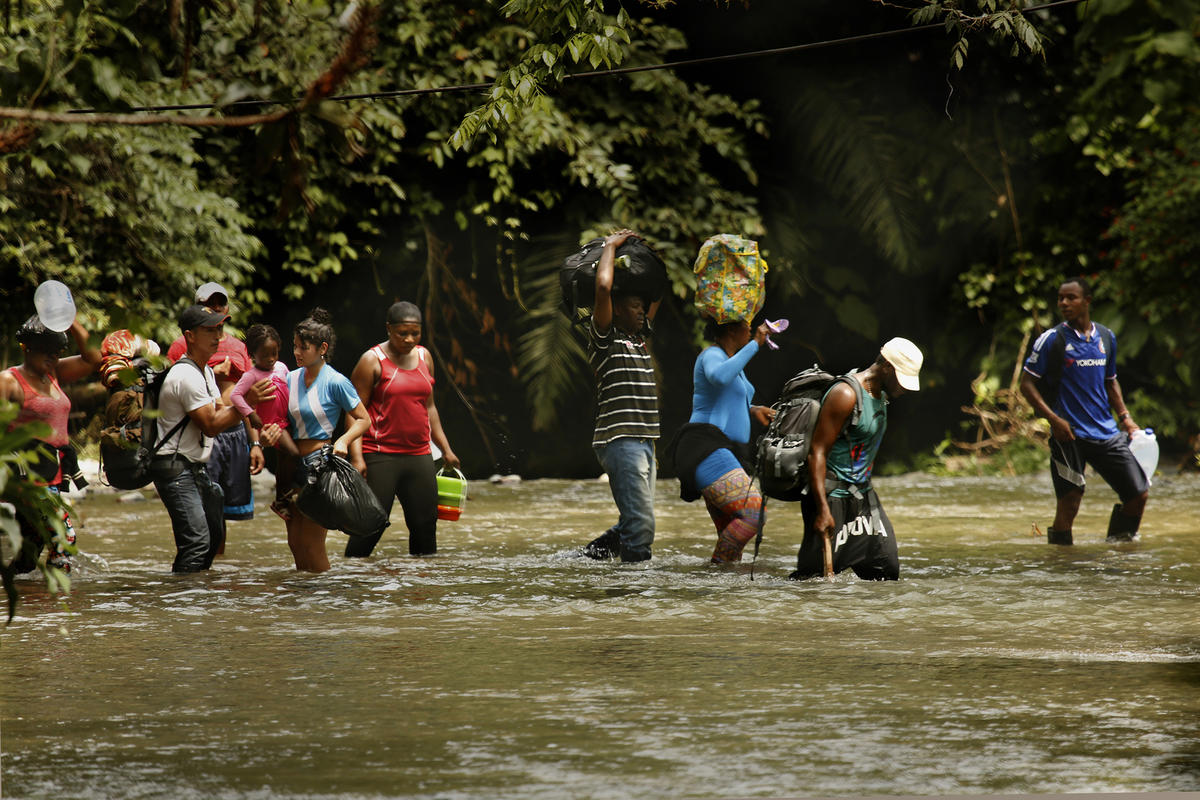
(506, 668)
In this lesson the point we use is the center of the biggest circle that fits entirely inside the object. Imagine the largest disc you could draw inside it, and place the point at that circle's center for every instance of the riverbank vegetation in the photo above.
(936, 184)
(22, 499)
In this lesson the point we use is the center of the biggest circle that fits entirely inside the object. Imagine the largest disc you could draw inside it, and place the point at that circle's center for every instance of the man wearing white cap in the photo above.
(845, 526)
(231, 358)
(236, 453)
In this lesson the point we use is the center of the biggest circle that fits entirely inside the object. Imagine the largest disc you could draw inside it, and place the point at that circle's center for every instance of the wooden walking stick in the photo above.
(828, 550)
(762, 523)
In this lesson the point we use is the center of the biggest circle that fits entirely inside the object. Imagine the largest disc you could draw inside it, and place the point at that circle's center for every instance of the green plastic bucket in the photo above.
(452, 494)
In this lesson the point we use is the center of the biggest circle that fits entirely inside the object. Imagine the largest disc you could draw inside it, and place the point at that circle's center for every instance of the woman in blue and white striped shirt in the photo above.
(317, 396)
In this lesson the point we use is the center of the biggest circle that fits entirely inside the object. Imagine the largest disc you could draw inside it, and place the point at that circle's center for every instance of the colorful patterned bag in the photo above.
(730, 279)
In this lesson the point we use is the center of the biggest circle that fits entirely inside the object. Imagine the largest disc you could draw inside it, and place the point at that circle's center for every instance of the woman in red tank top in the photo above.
(34, 387)
(395, 379)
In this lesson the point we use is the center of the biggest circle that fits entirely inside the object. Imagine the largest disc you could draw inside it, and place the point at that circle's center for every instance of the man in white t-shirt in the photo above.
(190, 396)
(234, 457)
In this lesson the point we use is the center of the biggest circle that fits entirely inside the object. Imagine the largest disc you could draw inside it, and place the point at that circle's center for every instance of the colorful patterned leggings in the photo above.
(736, 509)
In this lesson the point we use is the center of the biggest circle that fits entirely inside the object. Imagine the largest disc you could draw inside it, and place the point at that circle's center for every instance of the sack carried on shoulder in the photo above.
(730, 279)
(638, 270)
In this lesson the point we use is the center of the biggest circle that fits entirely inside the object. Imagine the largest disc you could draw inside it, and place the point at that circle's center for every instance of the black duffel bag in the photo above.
(638, 270)
(334, 495)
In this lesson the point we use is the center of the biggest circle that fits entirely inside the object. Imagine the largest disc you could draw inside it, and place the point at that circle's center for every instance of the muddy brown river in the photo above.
(506, 668)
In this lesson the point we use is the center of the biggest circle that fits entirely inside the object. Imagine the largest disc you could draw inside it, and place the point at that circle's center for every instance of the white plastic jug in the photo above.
(54, 304)
(1144, 447)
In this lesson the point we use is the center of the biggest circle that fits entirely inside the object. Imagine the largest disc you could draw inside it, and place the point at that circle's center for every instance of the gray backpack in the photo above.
(782, 452)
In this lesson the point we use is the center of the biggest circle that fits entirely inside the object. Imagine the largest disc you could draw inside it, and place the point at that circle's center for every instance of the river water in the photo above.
(505, 668)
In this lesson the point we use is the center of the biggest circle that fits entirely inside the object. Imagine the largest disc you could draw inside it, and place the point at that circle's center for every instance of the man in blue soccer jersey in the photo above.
(1070, 379)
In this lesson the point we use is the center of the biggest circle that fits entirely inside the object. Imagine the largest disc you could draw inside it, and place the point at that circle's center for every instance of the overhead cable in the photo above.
(601, 73)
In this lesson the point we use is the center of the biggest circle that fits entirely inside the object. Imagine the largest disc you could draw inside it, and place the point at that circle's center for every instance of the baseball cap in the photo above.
(208, 290)
(905, 357)
(199, 316)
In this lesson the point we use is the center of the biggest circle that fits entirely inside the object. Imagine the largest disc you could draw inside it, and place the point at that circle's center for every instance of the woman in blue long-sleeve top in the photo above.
(712, 452)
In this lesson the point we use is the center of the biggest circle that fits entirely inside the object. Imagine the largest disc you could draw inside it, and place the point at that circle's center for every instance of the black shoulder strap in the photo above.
(179, 426)
(1054, 356)
(187, 360)
(859, 402)
(1107, 337)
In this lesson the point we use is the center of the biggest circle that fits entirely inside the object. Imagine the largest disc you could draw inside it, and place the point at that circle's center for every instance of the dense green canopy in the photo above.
(936, 185)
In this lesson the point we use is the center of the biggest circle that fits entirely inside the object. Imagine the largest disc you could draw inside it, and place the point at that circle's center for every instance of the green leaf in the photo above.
(41, 167)
(856, 315)
(334, 113)
(107, 78)
(1112, 68)
(1160, 92)
(10, 528)
(235, 91)
(1181, 44)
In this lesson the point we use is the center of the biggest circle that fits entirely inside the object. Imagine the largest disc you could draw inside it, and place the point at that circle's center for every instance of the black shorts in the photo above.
(1111, 458)
(862, 541)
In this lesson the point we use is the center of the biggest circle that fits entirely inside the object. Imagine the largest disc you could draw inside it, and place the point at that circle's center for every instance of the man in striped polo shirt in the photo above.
(626, 410)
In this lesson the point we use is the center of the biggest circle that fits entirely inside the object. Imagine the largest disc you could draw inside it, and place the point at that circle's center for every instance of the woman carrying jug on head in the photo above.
(34, 386)
(396, 377)
(317, 396)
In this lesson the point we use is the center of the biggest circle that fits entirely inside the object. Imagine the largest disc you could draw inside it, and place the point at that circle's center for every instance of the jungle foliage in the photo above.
(22, 499)
(1113, 143)
(390, 196)
(934, 186)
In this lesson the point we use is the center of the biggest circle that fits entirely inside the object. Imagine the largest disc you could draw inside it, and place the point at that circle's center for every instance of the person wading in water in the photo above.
(318, 395)
(34, 386)
(626, 410)
(1076, 363)
(845, 526)
(396, 378)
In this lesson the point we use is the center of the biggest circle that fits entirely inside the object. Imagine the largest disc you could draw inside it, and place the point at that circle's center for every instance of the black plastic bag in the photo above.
(638, 270)
(334, 495)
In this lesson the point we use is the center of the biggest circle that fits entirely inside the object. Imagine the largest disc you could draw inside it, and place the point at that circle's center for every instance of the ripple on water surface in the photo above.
(508, 667)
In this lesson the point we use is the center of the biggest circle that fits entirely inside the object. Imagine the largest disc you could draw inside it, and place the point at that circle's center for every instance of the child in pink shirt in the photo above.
(263, 343)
